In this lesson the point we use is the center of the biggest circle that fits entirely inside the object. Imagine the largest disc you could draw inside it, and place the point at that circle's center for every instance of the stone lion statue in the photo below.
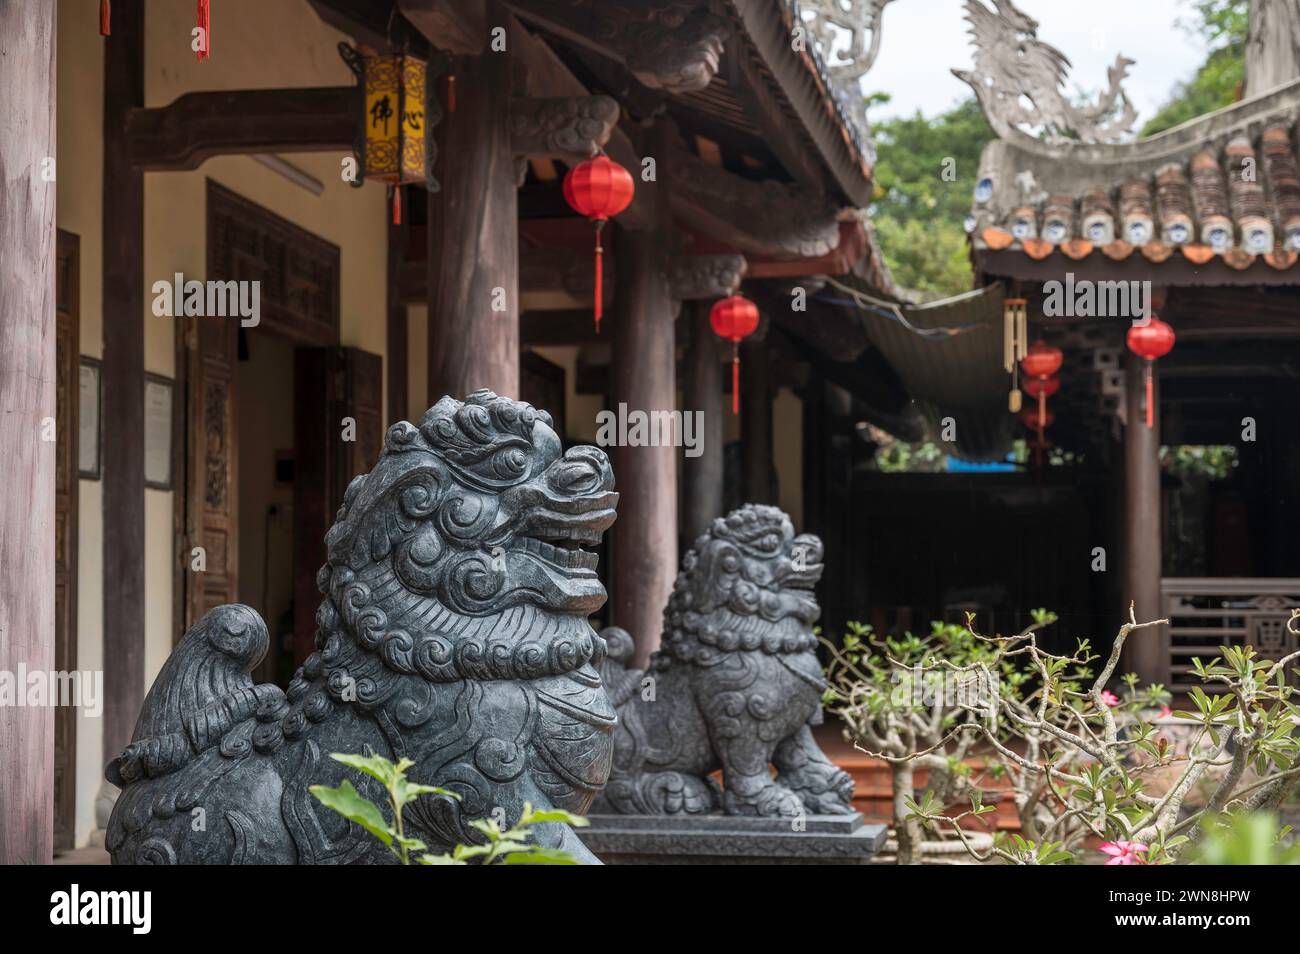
(736, 685)
(452, 631)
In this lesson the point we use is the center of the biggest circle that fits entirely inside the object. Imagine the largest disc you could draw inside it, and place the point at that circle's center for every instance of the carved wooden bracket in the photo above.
(766, 217)
(705, 276)
(561, 127)
(674, 45)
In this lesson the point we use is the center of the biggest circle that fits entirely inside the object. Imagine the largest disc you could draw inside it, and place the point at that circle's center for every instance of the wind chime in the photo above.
(1151, 341)
(598, 189)
(1015, 327)
(203, 19)
(1040, 364)
(394, 144)
(734, 319)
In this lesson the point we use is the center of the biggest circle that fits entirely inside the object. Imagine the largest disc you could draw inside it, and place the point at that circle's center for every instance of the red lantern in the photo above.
(734, 318)
(598, 189)
(1042, 387)
(1041, 360)
(1153, 340)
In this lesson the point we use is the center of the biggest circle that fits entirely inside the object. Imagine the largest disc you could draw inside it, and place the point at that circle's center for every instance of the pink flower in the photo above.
(1124, 852)
(1165, 712)
(1109, 698)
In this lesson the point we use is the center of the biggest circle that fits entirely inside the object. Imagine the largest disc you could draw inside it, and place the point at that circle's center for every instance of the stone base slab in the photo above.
(732, 839)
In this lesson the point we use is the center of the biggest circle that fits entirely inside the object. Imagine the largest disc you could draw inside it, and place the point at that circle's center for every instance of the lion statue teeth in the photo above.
(736, 685)
(453, 631)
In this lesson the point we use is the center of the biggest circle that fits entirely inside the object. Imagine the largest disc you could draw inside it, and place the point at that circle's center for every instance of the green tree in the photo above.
(1222, 24)
(925, 173)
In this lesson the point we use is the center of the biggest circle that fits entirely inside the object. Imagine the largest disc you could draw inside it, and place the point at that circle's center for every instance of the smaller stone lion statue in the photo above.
(736, 685)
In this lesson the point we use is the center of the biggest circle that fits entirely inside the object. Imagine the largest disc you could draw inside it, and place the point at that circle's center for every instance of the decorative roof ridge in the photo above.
(1274, 106)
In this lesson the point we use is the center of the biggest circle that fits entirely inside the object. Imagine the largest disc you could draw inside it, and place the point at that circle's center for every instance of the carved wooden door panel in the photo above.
(68, 394)
(338, 432)
(207, 549)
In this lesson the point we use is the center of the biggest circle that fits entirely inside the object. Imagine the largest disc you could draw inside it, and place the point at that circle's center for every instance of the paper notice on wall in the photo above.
(157, 434)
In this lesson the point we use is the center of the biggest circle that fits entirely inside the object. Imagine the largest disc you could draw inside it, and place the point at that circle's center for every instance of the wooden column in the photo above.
(123, 385)
(1147, 650)
(396, 358)
(28, 346)
(756, 422)
(642, 372)
(473, 244)
(702, 392)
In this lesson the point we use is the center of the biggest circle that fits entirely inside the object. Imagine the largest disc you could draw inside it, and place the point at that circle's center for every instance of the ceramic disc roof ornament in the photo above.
(1019, 81)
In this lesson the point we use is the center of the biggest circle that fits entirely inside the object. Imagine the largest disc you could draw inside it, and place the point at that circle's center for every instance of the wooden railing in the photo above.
(1207, 613)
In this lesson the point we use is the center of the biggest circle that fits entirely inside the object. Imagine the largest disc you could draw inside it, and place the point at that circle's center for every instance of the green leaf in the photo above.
(351, 805)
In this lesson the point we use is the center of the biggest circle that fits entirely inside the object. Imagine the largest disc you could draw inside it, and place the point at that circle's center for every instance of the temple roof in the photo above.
(1213, 201)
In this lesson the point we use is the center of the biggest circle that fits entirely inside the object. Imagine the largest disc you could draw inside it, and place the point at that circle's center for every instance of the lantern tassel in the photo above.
(735, 378)
(451, 92)
(1151, 410)
(105, 18)
(600, 291)
(397, 205)
(204, 18)
(1042, 411)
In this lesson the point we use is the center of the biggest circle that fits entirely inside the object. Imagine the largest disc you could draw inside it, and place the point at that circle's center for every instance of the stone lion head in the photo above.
(464, 554)
(745, 585)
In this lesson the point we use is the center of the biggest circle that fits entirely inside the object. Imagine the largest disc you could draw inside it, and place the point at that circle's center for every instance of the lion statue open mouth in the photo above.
(735, 687)
(453, 631)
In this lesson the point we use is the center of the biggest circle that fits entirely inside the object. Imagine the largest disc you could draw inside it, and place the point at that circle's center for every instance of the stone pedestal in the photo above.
(732, 839)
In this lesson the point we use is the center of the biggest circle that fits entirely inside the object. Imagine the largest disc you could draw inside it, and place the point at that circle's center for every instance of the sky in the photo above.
(921, 40)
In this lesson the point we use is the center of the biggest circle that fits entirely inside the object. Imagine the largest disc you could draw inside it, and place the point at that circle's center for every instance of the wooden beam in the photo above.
(197, 126)
(123, 384)
(665, 44)
(751, 90)
(459, 26)
(768, 218)
(567, 327)
(27, 373)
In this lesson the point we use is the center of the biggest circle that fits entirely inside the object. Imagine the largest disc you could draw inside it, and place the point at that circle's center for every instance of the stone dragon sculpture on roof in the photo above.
(1019, 81)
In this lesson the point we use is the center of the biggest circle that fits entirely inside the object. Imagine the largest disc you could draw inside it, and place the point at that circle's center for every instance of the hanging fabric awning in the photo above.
(948, 354)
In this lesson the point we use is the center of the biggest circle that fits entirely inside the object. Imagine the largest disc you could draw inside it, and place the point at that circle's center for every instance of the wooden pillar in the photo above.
(1147, 650)
(756, 422)
(123, 384)
(27, 375)
(396, 357)
(642, 373)
(473, 244)
(702, 392)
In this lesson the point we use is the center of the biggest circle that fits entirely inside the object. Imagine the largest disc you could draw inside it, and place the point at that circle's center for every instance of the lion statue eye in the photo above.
(730, 562)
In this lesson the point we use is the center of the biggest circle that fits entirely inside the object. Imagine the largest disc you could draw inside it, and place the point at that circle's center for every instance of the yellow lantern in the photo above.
(394, 143)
